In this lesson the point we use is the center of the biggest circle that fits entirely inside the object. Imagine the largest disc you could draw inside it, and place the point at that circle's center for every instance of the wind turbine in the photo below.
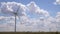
(12, 12)
(15, 13)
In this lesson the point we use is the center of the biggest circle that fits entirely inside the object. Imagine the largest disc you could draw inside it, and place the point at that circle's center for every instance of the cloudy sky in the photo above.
(32, 15)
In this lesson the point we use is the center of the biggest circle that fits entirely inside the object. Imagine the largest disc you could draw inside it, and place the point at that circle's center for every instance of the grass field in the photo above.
(29, 33)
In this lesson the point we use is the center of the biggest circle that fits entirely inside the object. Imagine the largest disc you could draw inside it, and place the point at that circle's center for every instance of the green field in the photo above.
(29, 33)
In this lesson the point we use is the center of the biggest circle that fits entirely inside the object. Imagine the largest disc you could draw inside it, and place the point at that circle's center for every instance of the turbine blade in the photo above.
(19, 19)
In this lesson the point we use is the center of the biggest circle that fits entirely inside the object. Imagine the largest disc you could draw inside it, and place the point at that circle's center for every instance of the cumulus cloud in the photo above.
(58, 16)
(57, 2)
(44, 23)
(58, 21)
(13, 7)
(6, 24)
(33, 8)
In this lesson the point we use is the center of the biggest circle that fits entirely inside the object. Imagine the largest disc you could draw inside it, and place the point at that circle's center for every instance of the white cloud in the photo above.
(6, 27)
(33, 8)
(57, 2)
(25, 23)
(58, 21)
(58, 17)
(6, 24)
(11, 7)
(1, 18)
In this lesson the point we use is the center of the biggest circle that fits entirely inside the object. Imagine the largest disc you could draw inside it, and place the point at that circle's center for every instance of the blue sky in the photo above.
(43, 4)
(42, 12)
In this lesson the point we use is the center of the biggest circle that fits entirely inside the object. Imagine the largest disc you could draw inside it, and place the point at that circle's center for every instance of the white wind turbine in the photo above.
(13, 11)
